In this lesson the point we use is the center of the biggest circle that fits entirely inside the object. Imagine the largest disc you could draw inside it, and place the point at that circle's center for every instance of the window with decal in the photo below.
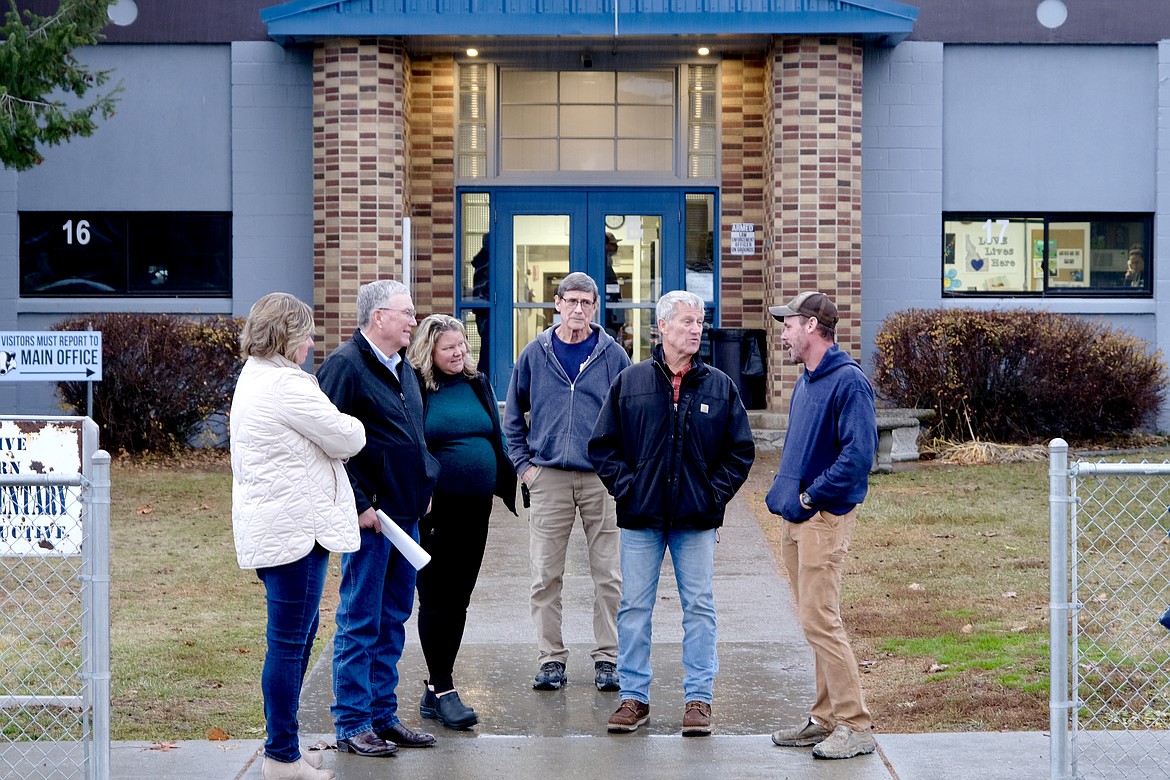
(996, 254)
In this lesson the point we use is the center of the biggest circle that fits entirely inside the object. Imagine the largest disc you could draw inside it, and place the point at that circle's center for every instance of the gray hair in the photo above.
(376, 295)
(667, 303)
(578, 281)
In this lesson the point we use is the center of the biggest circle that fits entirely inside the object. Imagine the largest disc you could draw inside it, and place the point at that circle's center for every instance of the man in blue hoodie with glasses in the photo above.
(824, 475)
(555, 395)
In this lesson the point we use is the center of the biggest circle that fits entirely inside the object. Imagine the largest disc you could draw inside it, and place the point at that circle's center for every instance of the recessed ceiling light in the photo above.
(473, 52)
(704, 51)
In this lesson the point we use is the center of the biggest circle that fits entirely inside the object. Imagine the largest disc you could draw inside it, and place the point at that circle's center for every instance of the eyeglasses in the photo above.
(584, 303)
(408, 313)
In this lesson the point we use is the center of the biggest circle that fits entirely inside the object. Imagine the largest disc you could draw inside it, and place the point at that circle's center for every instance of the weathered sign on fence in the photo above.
(41, 519)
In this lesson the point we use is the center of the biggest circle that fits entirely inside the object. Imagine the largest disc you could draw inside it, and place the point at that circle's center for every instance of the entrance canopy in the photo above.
(883, 22)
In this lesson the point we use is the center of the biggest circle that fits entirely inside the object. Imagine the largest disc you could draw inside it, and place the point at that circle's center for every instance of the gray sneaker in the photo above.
(844, 742)
(606, 676)
(806, 735)
(550, 677)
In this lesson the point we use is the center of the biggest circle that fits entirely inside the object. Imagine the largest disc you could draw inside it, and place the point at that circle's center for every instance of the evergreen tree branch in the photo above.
(36, 62)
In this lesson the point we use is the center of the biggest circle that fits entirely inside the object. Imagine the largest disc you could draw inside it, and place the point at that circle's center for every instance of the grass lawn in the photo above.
(946, 597)
(187, 633)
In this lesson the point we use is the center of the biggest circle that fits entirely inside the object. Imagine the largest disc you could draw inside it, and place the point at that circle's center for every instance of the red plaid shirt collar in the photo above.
(676, 380)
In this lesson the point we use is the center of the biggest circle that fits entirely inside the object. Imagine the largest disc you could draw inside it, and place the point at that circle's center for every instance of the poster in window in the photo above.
(1067, 244)
(985, 256)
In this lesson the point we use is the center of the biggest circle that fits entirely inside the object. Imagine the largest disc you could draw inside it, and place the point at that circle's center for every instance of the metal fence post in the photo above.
(54, 576)
(1058, 608)
(100, 570)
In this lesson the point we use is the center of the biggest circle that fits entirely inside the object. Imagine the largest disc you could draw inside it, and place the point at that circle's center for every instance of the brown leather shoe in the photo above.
(629, 716)
(401, 736)
(697, 719)
(368, 744)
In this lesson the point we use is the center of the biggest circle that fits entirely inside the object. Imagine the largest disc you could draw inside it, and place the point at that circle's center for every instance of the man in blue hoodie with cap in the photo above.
(824, 475)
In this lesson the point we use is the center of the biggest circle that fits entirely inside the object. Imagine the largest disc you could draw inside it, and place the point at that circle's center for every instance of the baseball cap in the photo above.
(808, 304)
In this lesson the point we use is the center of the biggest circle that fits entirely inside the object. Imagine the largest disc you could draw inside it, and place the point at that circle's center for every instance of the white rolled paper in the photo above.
(410, 549)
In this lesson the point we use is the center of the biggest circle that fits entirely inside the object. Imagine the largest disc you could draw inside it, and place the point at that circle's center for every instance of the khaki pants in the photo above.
(557, 496)
(814, 554)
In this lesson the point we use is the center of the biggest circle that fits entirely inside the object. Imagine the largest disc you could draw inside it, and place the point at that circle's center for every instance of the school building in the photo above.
(989, 153)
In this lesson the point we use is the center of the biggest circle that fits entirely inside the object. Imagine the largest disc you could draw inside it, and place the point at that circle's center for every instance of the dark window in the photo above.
(136, 254)
(1047, 254)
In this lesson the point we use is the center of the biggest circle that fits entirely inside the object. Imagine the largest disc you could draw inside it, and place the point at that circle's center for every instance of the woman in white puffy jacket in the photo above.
(291, 505)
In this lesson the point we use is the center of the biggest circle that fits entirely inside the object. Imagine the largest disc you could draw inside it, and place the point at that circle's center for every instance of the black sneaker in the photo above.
(550, 677)
(606, 676)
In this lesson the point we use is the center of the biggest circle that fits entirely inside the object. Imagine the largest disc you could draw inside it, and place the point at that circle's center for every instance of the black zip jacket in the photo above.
(505, 474)
(394, 472)
(666, 467)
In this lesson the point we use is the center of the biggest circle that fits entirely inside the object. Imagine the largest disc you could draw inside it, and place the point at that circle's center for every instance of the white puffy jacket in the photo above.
(289, 485)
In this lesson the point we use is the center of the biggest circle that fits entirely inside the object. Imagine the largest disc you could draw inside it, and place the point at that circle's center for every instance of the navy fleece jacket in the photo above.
(831, 441)
(561, 412)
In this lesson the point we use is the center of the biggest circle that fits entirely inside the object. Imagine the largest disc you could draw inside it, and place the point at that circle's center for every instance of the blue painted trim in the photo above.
(888, 7)
(333, 18)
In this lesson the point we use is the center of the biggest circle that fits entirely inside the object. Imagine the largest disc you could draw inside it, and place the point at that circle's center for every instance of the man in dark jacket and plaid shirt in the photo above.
(673, 445)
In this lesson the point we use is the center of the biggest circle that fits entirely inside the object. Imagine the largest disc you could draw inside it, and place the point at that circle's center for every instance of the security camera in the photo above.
(586, 61)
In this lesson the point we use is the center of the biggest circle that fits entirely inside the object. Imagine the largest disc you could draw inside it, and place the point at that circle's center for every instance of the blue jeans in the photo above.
(377, 595)
(693, 555)
(293, 593)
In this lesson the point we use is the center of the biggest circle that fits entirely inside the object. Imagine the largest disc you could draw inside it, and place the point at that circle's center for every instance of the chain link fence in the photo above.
(1110, 568)
(54, 619)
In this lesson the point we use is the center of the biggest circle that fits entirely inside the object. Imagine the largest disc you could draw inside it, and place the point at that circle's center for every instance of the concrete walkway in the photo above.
(765, 681)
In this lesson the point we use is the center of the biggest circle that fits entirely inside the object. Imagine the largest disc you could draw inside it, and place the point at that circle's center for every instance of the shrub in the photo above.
(162, 377)
(1018, 376)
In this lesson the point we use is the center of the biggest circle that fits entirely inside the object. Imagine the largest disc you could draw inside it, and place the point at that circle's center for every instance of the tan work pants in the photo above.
(814, 553)
(557, 496)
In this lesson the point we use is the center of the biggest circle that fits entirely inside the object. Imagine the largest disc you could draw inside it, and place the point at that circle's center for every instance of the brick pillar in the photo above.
(432, 182)
(813, 204)
(744, 179)
(359, 175)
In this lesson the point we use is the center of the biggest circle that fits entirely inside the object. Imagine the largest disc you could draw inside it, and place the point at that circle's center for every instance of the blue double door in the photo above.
(631, 242)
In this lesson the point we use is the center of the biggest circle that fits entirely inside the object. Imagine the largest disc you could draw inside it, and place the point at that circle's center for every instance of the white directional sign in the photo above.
(51, 356)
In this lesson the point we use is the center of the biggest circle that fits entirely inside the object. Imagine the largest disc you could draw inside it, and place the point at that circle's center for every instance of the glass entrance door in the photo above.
(629, 241)
(640, 238)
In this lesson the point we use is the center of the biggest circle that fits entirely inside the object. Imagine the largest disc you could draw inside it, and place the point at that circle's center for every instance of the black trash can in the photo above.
(741, 354)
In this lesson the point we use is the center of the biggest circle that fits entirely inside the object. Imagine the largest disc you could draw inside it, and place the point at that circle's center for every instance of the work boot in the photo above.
(844, 742)
(696, 719)
(806, 735)
(629, 716)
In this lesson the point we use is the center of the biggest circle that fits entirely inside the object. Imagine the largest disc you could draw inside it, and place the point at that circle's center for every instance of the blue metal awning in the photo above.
(885, 21)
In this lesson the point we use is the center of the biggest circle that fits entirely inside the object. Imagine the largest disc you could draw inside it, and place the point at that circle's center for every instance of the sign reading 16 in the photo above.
(81, 233)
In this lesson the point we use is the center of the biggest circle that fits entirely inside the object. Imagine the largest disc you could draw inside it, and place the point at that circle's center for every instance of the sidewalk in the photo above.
(766, 680)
